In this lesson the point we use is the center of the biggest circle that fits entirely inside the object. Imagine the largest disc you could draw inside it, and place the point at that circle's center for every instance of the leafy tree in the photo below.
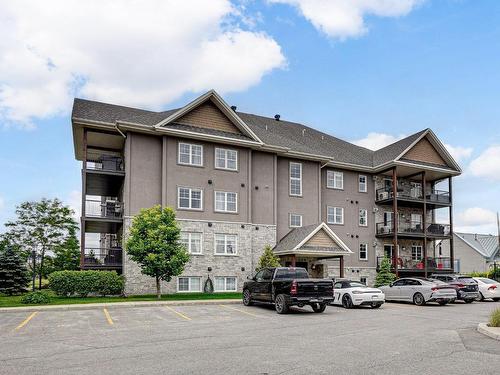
(67, 254)
(154, 244)
(268, 259)
(40, 227)
(385, 276)
(13, 273)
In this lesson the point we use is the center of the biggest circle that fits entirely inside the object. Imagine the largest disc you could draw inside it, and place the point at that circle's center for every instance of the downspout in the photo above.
(119, 131)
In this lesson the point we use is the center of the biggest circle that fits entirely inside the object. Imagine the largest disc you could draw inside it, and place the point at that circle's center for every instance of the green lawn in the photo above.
(13, 301)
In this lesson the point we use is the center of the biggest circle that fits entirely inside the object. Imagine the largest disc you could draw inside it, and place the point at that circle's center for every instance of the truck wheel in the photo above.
(418, 299)
(318, 307)
(247, 298)
(281, 304)
(346, 301)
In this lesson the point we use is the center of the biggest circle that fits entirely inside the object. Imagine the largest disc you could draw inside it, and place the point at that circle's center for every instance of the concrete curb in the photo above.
(88, 306)
(493, 332)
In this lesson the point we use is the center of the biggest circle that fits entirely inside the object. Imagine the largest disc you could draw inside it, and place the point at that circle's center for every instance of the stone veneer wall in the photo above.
(251, 242)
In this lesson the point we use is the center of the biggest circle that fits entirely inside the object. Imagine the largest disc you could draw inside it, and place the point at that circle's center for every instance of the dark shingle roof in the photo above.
(294, 237)
(393, 150)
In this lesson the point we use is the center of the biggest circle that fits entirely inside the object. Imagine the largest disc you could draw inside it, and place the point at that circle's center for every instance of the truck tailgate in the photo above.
(314, 288)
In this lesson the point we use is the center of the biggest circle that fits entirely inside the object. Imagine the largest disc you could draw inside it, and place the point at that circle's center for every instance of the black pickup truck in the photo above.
(288, 286)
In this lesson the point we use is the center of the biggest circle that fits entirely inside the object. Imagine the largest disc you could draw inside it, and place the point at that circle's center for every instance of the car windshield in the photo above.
(355, 284)
(487, 281)
(436, 281)
(291, 273)
(466, 279)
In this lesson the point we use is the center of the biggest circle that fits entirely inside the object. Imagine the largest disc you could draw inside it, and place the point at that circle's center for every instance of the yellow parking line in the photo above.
(178, 313)
(108, 317)
(26, 320)
(241, 311)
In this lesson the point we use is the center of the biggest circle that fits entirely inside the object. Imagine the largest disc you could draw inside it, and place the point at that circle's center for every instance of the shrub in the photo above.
(83, 283)
(35, 298)
(495, 318)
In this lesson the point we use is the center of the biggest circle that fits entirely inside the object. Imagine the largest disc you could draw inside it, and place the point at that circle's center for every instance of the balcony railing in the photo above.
(106, 209)
(104, 162)
(100, 257)
(413, 228)
(415, 194)
(405, 262)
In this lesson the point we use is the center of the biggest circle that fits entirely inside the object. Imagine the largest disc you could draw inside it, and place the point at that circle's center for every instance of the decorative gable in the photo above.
(425, 152)
(320, 239)
(209, 116)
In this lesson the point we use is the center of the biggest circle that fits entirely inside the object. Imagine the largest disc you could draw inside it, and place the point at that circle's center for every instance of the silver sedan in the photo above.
(419, 291)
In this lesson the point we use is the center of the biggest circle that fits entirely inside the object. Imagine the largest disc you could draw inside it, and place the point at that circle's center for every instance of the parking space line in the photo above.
(241, 311)
(108, 317)
(178, 313)
(25, 321)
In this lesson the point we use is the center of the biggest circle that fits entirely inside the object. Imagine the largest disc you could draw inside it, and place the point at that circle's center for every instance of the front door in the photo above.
(302, 265)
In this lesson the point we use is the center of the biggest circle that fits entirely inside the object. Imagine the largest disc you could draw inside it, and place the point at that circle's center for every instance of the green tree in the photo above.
(154, 244)
(40, 227)
(67, 254)
(385, 276)
(13, 273)
(268, 259)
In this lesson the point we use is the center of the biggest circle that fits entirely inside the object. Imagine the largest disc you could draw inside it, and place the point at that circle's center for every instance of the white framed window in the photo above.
(192, 241)
(189, 284)
(335, 215)
(226, 159)
(225, 284)
(363, 251)
(190, 154)
(416, 221)
(226, 244)
(189, 198)
(295, 221)
(226, 201)
(416, 252)
(335, 180)
(363, 217)
(295, 179)
(362, 183)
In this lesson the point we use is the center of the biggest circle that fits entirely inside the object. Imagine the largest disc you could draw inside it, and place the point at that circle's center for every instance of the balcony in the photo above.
(412, 229)
(103, 209)
(99, 161)
(413, 197)
(102, 258)
(409, 263)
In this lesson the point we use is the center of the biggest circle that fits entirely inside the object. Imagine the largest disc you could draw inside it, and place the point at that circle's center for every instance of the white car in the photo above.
(488, 288)
(419, 291)
(354, 293)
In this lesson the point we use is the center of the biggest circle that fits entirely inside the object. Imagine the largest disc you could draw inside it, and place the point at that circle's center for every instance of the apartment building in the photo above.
(239, 182)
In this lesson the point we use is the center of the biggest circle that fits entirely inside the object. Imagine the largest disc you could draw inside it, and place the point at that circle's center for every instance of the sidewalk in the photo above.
(87, 306)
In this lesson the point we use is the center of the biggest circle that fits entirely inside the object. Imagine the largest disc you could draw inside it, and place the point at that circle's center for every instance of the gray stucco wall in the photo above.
(262, 187)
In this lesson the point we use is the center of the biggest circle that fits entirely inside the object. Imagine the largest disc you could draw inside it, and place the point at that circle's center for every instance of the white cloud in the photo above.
(487, 164)
(346, 18)
(74, 201)
(2, 204)
(145, 53)
(375, 141)
(476, 220)
(459, 153)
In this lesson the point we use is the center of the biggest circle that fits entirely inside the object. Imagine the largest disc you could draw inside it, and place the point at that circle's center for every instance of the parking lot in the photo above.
(234, 339)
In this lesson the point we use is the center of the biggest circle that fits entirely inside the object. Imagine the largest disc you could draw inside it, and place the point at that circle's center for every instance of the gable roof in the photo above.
(485, 244)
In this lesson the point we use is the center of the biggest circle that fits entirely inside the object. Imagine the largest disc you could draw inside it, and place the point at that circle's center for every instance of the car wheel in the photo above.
(375, 305)
(481, 297)
(445, 302)
(247, 298)
(418, 299)
(318, 307)
(496, 299)
(281, 304)
(468, 300)
(346, 301)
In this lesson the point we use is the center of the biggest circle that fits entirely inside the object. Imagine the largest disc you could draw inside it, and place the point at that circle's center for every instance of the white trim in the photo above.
(329, 232)
(190, 233)
(190, 163)
(190, 198)
(294, 178)
(225, 244)
(334, 215)
(225, 284)
(225, 201)
(366, 251)
(290, 220)
(421, 252)
(366, 217)
(359, 183)
(189, 284)
(225, 159)
(335, 174)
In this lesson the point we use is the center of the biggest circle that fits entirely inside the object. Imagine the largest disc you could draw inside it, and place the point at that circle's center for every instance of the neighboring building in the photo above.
(240, 181)
(473, 252)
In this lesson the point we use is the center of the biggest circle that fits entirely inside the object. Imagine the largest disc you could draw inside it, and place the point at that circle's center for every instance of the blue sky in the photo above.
(369, 72)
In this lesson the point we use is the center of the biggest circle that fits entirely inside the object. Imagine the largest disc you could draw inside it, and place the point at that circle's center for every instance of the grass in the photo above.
(14, 301)
(495, 318)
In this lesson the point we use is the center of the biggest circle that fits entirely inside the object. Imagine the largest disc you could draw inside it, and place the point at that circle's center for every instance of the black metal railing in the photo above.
(409, 227)
(103, 208)
(413, 193)
(438, 196)
(104, 162)
(100, 257)
(408, 262)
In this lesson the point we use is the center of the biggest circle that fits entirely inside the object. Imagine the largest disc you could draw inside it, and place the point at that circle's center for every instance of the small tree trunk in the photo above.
(158, 288)
(33, 255)
(40, 274)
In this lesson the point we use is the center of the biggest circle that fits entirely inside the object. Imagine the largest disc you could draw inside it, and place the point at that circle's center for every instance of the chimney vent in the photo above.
(277, 117)
(233, 107)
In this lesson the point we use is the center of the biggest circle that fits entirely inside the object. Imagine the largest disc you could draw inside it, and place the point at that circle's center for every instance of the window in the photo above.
(190, 154)
(363, 251)
(226, 202)
(192, 242)
(189, 284)
(362, 184)
(416, 252)
(363, 217)
(388, 250)
(225, 244)
(335, 180)
(337, 286)
(416, 221)
(363, 280)
(335, 215)
(225, 284)
(226, 159)
(189, 198)
(295, 179)
(295, 220)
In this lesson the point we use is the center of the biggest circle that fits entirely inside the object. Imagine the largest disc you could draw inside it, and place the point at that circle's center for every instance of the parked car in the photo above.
(354, 293)
(288, 286)
(466, 286)
(419, 291)
(488, 288)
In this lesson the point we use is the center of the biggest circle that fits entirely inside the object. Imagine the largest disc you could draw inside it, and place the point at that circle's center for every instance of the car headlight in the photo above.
(357, 292)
